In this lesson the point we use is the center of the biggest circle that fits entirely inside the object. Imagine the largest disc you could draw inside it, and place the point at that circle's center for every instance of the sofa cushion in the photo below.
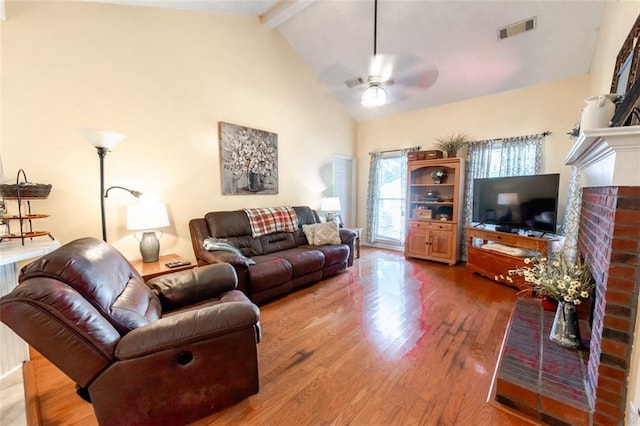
(235, 228)
(214, 244)
(274, 243)
(333, 254)
(303, 261)
(269, 271)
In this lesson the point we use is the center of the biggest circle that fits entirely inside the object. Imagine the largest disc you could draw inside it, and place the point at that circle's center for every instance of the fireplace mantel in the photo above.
(607, 157)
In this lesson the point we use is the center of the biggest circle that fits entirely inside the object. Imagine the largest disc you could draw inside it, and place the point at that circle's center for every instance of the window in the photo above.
(386, 201)
(391, 199)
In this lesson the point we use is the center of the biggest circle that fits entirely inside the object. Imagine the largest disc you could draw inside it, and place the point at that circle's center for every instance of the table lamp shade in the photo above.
(147, 216)
(330, 204)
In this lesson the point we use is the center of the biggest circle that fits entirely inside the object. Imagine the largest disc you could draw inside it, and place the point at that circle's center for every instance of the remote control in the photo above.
(176, 264)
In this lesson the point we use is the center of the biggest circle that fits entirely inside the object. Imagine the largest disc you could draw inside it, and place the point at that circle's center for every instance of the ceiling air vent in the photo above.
(517, 28)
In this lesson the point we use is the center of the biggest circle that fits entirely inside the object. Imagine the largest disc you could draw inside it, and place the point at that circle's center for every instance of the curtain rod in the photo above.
(545, 133)
(396, 150)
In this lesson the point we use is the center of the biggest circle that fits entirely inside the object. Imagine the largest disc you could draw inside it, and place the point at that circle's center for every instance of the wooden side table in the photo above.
(155, 269)
(358, 232)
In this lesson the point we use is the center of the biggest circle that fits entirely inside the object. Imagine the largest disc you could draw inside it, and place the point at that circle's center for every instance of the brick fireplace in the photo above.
(610, 235)
(585, 387)
(609, 162)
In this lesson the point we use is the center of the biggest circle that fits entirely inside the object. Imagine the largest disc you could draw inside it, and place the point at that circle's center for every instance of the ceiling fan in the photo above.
(392, 77)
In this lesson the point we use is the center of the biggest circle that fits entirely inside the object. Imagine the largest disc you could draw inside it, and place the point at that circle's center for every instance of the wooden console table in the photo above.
(496, 265)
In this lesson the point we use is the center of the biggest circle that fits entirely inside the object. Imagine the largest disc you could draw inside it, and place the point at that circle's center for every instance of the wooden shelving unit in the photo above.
(434, 209)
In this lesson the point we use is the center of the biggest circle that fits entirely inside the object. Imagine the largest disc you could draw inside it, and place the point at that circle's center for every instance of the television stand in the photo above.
(496, 265)
(505, 228)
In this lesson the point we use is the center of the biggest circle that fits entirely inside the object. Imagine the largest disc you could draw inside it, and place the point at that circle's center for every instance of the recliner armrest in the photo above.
(184, 288)
(188, 327)
(347, 236)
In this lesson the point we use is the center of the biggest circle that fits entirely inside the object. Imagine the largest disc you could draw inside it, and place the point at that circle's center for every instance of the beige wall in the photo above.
(553, 107)
(165, 78)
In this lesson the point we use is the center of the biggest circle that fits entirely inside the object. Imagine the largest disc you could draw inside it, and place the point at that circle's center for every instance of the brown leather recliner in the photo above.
(169, 352)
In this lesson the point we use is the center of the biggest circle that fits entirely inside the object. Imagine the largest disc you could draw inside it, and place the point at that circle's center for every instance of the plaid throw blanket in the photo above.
(269, 220)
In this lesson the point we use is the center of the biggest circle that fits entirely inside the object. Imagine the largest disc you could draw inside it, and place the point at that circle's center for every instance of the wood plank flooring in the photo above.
(389, 342)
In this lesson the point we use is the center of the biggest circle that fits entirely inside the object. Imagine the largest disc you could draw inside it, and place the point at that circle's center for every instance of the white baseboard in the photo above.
(384, 246)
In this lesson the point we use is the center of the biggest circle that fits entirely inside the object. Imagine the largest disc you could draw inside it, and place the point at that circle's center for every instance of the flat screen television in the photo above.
(517, 202)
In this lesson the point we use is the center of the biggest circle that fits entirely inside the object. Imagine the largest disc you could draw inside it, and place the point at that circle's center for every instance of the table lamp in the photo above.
(148, 216)
(331, 206)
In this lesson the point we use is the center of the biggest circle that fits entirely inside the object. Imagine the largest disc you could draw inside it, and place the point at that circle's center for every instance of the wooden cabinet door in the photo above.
(417, 240)
(440, 244)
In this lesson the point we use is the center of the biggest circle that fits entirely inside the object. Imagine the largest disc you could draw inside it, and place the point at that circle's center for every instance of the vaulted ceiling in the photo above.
(445, 51)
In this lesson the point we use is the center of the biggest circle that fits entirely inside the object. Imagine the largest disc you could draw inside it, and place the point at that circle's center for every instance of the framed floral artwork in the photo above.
(626, 79)
(248, 160)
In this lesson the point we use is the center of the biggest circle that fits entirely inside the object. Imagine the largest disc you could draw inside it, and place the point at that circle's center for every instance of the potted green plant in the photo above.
(451, 144)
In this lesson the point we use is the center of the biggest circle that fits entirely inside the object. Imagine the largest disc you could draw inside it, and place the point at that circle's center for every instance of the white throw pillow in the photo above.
(325, 233)
(308, 232)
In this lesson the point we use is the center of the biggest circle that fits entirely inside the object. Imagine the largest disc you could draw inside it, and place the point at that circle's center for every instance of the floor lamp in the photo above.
(103, 141)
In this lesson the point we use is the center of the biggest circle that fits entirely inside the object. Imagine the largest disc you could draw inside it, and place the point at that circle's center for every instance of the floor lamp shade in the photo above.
(148, 217)
(103, 140)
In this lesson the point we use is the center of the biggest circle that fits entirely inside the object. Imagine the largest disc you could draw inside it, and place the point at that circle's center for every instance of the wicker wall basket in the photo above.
(25, 190)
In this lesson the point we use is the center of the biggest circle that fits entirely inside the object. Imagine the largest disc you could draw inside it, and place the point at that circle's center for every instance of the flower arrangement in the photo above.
(452, 143)
(557, 277)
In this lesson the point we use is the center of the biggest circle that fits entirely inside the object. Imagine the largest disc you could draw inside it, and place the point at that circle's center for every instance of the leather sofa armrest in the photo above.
(184, 288)
(188, 327)
(348, 237)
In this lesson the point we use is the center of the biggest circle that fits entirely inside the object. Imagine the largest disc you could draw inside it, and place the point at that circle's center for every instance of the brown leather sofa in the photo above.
(165, 353)
(284, 261)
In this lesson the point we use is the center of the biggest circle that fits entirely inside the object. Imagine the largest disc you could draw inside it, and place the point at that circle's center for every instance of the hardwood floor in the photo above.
(390, 342)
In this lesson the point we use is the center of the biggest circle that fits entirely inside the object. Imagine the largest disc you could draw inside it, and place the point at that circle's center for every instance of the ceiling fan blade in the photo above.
(403, 70)
(386, 66)
(421, 77)
(400, 93)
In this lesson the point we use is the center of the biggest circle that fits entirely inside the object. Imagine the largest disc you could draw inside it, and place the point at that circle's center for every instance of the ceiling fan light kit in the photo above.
(374, 96)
